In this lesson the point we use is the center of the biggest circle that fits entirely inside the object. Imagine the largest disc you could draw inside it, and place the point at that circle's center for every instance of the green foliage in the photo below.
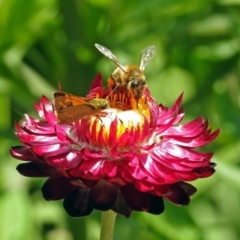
(44, 42)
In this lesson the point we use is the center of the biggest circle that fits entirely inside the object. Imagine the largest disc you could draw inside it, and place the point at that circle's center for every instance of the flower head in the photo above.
(126, 157)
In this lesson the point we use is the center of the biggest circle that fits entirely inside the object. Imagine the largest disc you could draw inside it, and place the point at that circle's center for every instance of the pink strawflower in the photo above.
(129, 158)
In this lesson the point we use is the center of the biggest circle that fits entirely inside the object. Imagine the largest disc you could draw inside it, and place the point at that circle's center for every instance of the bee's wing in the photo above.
(106, 52)
(146, 56)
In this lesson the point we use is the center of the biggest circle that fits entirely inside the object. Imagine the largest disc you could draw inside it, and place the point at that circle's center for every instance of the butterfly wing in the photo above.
(70, 108)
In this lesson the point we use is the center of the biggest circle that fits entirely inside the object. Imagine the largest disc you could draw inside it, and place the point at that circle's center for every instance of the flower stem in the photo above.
(107, 225)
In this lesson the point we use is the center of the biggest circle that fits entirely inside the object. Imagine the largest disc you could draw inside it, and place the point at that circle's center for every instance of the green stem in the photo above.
(107, 225)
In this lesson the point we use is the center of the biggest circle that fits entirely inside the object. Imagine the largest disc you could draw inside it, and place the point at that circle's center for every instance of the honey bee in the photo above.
(70, 108)
(130, 77)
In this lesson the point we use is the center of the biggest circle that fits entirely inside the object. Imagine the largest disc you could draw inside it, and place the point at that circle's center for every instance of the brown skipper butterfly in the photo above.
(70, 108)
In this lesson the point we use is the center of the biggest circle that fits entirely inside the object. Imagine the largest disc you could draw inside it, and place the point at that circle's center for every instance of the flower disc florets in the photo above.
(127, 157)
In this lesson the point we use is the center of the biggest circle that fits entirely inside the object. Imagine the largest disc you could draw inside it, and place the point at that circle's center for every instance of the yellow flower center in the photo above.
(126, 120)
(126, 101)
(120, 127)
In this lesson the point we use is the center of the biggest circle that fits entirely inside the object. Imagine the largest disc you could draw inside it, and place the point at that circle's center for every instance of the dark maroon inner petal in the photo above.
(206, 171)
(89, 183)
(156, 205)
(188, 188)
(35, 169)
(136, 200)
(76, 203)
(103, 195)
(23, 153)
(56, 188)
(178, 195)
(121, 207)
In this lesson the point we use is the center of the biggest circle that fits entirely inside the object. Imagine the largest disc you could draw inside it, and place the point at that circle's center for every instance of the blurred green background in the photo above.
(43, 42)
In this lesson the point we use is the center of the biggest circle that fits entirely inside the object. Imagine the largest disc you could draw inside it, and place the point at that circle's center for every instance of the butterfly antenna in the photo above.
(59, 87)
